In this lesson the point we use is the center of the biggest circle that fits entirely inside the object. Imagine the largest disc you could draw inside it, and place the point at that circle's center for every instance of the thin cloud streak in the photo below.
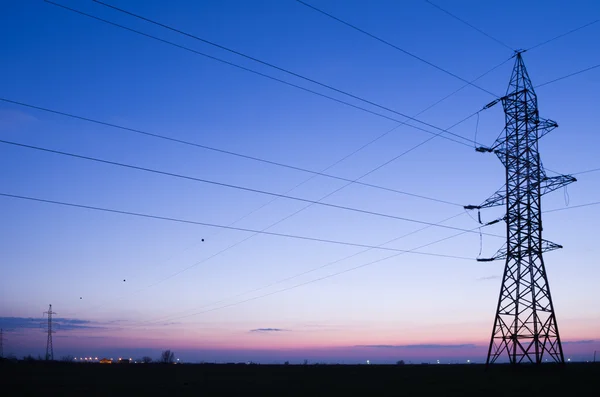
(421, 346)
(268, 330)
(12, 324)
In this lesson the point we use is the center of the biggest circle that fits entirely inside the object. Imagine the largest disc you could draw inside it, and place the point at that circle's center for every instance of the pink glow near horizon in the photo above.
(265, 345)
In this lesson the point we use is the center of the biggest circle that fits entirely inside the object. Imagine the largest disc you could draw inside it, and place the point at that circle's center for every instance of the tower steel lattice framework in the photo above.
(525, 326)
(49, 348)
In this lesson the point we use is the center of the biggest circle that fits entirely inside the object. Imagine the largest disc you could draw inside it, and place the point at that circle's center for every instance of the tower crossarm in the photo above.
(547, 184)
(545, 126)
(502, 253)
(551, 183)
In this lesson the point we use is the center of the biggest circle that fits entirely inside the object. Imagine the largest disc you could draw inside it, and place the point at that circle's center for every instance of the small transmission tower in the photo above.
(525, 327)
(49, 349)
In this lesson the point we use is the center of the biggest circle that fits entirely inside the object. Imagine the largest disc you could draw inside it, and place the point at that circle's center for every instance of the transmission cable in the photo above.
(288, 83)
(573, 206)
(150, 322)
(569, 75)
(304, 283)
(170, 174)
(137, 131)
(562, 35)
(585, 172)
(329, 276)
(314, 175)
(277, 67)
(304, 272)
(231, 246)
(395, 47)
(165, 218)
(469, 25)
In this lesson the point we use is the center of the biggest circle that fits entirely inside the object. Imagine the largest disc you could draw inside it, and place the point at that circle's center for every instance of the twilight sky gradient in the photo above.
(209, 302)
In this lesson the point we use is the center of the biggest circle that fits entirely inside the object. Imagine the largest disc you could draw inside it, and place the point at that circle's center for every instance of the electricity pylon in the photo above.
(49, 349)
(525, 326)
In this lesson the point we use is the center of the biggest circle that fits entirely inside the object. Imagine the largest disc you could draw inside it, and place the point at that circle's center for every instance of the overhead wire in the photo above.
(187, 221)
(323, 197)
(266, 161)
(394, 46)
(562, 35)
(253, 158)
(585, 172)
(573, 206)
(231, 246)
(279, 68)
(468, 24)
(288, 83)
(222, 184)
(567, 76)
(305, 272)
(296, 285)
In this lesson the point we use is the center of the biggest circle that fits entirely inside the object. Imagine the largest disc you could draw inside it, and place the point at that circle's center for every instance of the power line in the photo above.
(394, 46)
(184, 142)
(308, 271)
(174, 175)
(314, 175)
(280, 221)
(585, 172)
(332, 165)
(150, 322)
(305, 283)
(468, 24)
(164, 218)
(569, 75)
(574, 206)
(562, 35)
(277, 67)
(296, 212)
(288, 83)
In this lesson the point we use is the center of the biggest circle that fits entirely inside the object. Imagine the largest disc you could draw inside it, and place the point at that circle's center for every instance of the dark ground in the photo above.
(70, 379)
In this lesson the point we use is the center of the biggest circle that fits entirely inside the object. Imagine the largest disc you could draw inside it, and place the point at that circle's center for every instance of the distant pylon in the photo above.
(49, 349)
(525, 327)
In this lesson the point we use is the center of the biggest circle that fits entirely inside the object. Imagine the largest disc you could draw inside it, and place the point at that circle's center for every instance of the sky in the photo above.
(128, 285)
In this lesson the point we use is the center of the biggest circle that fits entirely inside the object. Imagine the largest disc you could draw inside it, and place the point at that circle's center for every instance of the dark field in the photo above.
(66, 379)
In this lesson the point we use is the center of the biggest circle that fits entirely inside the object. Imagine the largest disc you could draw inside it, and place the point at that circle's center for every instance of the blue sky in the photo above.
(78, 259)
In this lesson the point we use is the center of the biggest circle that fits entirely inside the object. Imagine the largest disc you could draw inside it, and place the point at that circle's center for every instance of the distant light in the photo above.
(438, 361)
(96, 358)
(468, 361)
(568, 359)
(368, 362)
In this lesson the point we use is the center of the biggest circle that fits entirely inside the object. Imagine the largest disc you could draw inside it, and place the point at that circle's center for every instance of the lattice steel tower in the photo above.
(49, 349)
(525, 327)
